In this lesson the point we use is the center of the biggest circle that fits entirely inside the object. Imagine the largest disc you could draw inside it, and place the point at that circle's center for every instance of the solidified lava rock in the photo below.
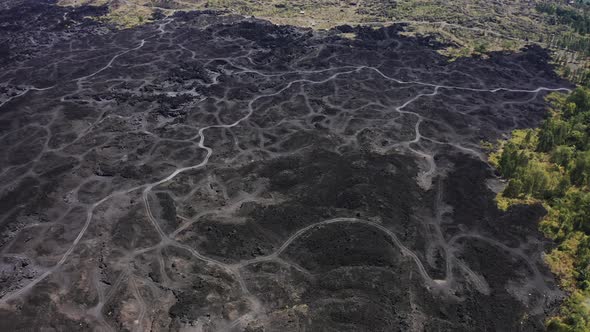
(217, 172)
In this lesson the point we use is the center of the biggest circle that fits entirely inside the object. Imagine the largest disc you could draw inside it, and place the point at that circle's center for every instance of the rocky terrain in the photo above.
(213, 172)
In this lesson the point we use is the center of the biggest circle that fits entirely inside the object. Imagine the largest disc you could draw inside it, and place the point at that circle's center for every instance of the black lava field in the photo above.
(211, 172)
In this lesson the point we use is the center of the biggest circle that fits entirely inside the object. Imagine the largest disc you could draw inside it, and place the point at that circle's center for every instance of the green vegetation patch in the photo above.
(578, 19)
(551, 165)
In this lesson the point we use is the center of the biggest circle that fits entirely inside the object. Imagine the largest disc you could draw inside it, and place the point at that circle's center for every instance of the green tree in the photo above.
(562, 155)
(513, 189)
(580, 173)
(546, 141)
(511, 160)
(581, 98)
(553, 132)
(535, 180)
(481, 48)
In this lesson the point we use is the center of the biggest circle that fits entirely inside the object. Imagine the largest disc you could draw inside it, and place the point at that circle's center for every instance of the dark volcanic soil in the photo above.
(220, 173)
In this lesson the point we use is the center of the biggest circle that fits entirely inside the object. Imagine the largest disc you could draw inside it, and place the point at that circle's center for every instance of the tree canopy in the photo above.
(551, 165)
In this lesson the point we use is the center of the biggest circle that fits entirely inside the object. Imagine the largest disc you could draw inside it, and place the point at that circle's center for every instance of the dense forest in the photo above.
(551, 165)
(577, 19)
